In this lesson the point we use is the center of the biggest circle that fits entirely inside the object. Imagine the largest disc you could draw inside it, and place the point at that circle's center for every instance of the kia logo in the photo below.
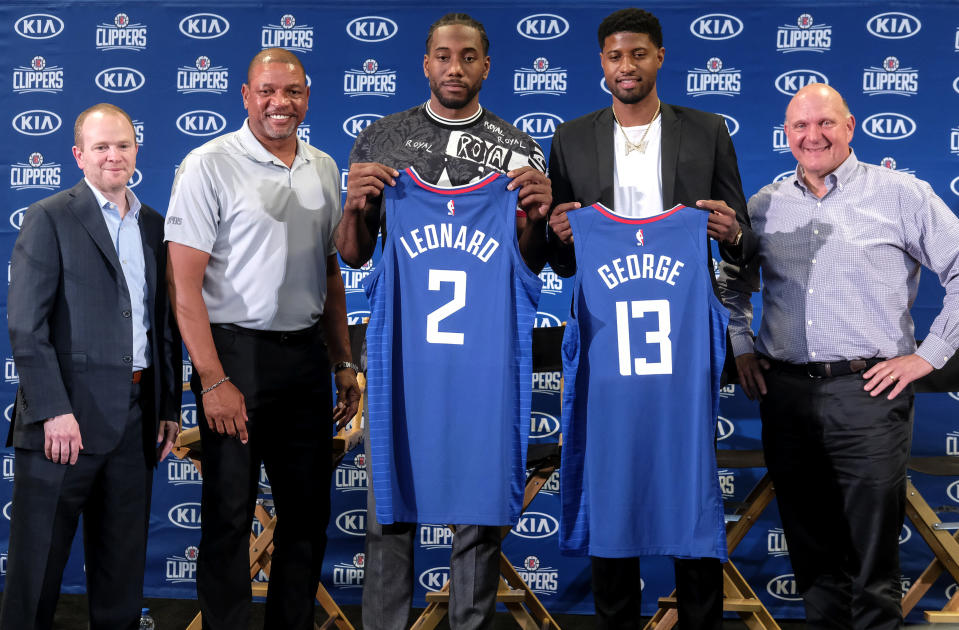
(724, 428)
(716, 26)
(603, 86)
(185, 515)
(434, 579)
(352, 522)
(120, 80)
(952, 491)
(353, 125)
(36, 122)
(791, 82)
(371, 28)
(6, 510)
(135, 179)
(201, 122)
(8, 410)
(893, 25)
(204, 26)
(16, 220)
(38, 26)
(543, 425)
(542, 26)
(535, 525)
(784, 587)
(888, 126)
(539, 125)
(954, 186)
(784, 175)
(188, 415)
(546, 320)
(905, 534)
(731, 124)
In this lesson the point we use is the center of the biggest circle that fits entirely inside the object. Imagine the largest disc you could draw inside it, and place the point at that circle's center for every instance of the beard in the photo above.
(628, 97)
(450, 102)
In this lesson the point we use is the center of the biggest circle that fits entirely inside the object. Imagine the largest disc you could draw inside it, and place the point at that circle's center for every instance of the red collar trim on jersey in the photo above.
(453, 190)
(620, 218)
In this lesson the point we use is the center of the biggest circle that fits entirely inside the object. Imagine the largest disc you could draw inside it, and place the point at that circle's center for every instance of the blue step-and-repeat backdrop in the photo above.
(176, 66)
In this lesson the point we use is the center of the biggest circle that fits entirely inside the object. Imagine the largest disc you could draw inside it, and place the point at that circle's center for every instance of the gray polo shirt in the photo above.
(268, 229)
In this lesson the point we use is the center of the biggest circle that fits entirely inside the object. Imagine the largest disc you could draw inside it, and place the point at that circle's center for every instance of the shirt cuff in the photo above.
(936, 351)
(743, 343)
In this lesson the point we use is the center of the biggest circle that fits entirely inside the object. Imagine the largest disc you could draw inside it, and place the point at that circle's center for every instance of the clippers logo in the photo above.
(352, 522)
(546, 320)
(353, 278)
(352, 476)
(539, 125)
(435, 536)
(34, 174)
(890, 79)
(264, 482)
(952, 443)
(16, 218)
(888, 162)
(551, 487)
(714, 79)
(776, 543)
(349, 574)
(727, 483)
(303, 132)
(536, 525)
(135, 179)
(784, 587)
(138, 131)
(450, 208)
(187, 372)
(905, 534)
(119, 80)
(434, 579)
(547, 382)
(724, 428)
(204, 26)
(540, 79)
(38, 26)
(7, 463)
(353, 125)
(789, 83)
(716, 26)
(552, 282)
(202, 77)
(188, 415)
(369, 80)
(541, 580)
(543, 425)
(185, 515)
(893, 25)
(732, 125)
(182, 472)
(180, 569)
(888, 126)
(804, 36)
(288, 35)
(371, 28)
(952, 491)
(201, 122)
(37, 77)
(780, 143)
(121, 35)
(542, 26)
(36, 122)
(954, 141)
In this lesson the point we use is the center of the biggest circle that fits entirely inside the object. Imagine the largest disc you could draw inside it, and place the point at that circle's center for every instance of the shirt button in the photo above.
(810, 290)
(812, 354)
(814, 261)
(127, 358)
(815, 231)
(819, 204)
(809, 322)
(125, 313)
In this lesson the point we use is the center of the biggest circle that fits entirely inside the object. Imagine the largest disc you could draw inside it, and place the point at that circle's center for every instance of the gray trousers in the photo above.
(388, 572)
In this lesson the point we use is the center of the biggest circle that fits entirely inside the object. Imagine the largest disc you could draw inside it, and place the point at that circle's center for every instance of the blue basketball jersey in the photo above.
(449, 355)
(642, 356)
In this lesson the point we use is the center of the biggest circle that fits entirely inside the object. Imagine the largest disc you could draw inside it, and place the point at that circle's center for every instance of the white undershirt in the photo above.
(638, 177)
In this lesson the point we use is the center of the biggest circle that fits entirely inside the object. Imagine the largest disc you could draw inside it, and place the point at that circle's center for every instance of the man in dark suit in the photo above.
(641, 157)
(98, 357)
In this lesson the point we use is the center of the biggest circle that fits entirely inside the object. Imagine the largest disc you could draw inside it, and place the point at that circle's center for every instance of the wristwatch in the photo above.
(342, 365)
(738, 239)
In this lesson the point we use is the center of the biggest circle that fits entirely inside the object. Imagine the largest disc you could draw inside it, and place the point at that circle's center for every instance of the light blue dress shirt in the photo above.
(125, 236)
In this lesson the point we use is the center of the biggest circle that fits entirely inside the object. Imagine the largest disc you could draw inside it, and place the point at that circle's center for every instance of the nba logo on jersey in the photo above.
(450, 208)
(640, 241)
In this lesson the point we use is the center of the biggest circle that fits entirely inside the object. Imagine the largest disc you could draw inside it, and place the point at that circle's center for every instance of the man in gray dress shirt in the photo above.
(840, 247)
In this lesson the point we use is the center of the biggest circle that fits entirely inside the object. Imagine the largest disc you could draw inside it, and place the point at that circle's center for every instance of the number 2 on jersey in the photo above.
(638, 365)
(438, 277)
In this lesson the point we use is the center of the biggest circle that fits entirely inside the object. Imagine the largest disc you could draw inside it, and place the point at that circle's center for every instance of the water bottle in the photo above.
(147, 622)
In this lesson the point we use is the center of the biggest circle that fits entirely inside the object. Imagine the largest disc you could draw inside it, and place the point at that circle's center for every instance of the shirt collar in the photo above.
(841, 176)
(260, 153)
(450, 122)
(104, 203)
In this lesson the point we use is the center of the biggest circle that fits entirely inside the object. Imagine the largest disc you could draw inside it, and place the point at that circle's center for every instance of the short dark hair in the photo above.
(106, 108)
(463, 19)
(631, 21)
(274, 55)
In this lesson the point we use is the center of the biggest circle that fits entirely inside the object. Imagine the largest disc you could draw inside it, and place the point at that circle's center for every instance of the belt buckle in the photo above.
(815, 376)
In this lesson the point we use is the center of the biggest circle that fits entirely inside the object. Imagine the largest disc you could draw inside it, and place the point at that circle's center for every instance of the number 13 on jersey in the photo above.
(636, 309)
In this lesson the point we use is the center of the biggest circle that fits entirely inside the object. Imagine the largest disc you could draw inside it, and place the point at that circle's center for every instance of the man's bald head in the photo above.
(819, 91)
(819, 128)
(275, 55)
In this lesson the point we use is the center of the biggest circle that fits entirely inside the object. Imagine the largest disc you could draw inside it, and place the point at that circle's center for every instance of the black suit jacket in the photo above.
(698, 162)
(70, 324)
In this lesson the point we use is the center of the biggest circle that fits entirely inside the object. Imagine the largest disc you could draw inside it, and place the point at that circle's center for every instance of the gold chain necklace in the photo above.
(641, 145)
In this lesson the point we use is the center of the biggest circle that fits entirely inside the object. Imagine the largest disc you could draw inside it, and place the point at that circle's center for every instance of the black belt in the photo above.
(304, 334)
(825, 370)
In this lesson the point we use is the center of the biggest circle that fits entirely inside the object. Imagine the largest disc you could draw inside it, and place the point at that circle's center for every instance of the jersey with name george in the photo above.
(642, 357)
(449, 355)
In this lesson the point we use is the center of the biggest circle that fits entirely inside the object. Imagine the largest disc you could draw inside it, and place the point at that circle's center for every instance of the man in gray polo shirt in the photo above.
(255, 281)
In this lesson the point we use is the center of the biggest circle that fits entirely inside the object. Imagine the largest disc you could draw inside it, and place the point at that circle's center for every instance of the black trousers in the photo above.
(837, 457)
(112, 491)
(287, 386)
